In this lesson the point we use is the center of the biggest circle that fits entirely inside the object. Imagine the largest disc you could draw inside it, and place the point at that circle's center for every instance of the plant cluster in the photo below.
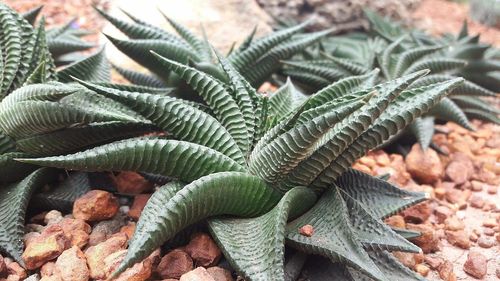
(397, 51)
(252, 168)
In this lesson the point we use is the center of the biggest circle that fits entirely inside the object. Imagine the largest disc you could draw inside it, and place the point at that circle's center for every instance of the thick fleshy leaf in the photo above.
(32, 14)
(423, 129)
(62, 196)
(226, 193)
(151, 155)
(93, 68)
(334, 237)
(447, 110)
(6, 143)
(14, 200)
(255, 246)
(10, 40)
(12, 170)
(285, 100)
(378, 197)
(139, 78)
(178, 118)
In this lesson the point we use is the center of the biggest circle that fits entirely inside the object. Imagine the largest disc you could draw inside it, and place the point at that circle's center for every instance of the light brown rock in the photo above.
(174, 264)
(220, 274)
(71, 265)
(408, 259)
(476, 201)
(128, 229)
(396, 221)
(14, 269)
(47, 269)
(51, 278)
(442, 213)
(425, 167)
(433, 261)
(76, 231)
(140, 271)
(203, 250)
(446, 271)
(458, 238)
(459, 171)
(131, 183)
(53, 216)
(96, 205)
(45, 247)
(198, 274)
(140, 201)
(428, 241)
(422, 269)
(485, 242)
(476, 264)
(453, 223)
(490, 222)
(96, 254)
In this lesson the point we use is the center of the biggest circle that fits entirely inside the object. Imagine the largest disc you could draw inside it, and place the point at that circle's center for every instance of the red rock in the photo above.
(425, 167)
(476, 201)
(428, 241)
(96, 254)
(174, 264)
(140, 271)
(486, 176)
(433, 261)
(473, 237)
(131, 183)
(138, 205)
(203, 250)
(51, 217)
(492, 189)
(476, 264)
(488, 231)
(96, 205)
(76, 231)
(14, 269)
(396, 221)
(220, 274)
(128, 229)
(103, 230)
(418, 213)
(446, 271)
(485, 242)
(458, 238)
(362, 168)
(306, 230)
(381, 157)
(198, 274)
(453, 223)
(453, 196)
(477, 186)
(41, 249)
(401, 176)
(71, 265)
(3, 268)
(368, 161)
(422, 269)
(490, 222)
(459, 172)
(408, 259)
(442, 212)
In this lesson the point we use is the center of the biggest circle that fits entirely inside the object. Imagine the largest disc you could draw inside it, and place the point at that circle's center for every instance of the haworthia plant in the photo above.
(397, 52)
(240, 161)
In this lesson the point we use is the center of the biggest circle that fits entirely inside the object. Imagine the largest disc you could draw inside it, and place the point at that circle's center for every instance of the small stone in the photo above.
(408, 259)
(14, 269)
(485, 242)
(459, 171)
(362, 168)
(396, 221)
(453, 223)
(51, 278)
(492, 189)
(439, 192)
(53, 216)
(422, 269)
(140, 271)
(174, 264)
(476, 201)
(458, 238)
(488, 231)
(45, 247)
(446, 271)
(105, 229)
(76, 231)
(490, 222)
(198, 274)
(128, 229)
(368, 161)
(203, 250)
(476, 264)
(306, 230)
(220, 274)
(473, 237)
(47, 269)
(96, 254)
(96, 205)
(131, 183)
(428, 241)
(433, 261)
(424, 166)
(477, 186)
(71, 265)
(442, 213)
(418, 213)
(138, 205)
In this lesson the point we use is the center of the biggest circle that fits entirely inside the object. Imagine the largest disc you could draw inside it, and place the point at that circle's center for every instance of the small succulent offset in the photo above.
(255, 59)
(398, 52)
(256, 169)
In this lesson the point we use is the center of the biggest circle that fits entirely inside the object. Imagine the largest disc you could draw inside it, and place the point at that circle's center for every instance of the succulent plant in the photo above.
(398, 52)
(255, 59)
(254, 168)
